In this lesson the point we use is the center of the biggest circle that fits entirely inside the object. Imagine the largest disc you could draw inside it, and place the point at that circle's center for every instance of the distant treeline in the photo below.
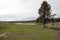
(57, 19)
(17, 21)
(50, 20)
(37, 20)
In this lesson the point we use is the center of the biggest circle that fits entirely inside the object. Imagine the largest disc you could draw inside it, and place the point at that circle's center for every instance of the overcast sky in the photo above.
(15, 10)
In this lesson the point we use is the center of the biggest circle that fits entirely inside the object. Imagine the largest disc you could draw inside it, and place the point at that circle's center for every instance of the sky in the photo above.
(24, 10)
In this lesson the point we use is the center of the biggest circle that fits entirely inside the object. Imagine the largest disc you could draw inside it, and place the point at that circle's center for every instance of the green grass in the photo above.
(29, 32)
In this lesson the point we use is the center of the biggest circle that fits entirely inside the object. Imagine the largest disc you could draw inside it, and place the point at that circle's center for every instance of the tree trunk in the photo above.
(44, 19)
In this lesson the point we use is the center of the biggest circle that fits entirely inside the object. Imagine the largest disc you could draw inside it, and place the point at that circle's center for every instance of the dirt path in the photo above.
(17, 36)
(3, 34)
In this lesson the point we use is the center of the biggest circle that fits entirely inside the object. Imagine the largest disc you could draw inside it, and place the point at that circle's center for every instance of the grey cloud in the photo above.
(24, 9)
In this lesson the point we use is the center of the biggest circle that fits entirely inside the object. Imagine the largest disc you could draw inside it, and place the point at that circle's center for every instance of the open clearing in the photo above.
(29, 32)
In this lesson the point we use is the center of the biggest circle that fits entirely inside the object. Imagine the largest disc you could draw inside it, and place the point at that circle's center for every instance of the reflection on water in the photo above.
(26, 23)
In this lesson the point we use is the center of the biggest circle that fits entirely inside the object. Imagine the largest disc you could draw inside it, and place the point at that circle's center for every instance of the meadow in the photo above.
(13, 31)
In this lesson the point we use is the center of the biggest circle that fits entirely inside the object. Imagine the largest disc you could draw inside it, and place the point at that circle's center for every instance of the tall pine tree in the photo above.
(44, 12)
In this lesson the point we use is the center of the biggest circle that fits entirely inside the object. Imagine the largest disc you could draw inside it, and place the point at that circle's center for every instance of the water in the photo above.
(26, 23)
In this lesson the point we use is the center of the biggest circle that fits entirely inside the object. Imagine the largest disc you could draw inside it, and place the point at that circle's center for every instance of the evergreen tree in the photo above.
(44, 12)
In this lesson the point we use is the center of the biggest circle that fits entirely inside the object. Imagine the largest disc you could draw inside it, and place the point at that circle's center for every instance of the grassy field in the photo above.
(29, 32)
